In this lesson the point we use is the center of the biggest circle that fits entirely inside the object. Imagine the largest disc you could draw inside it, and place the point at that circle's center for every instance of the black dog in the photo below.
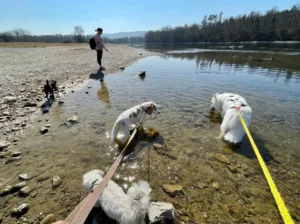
(49, 89)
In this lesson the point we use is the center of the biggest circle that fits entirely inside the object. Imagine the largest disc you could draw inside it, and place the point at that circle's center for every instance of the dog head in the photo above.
(151, 108)
(215, 104)
(91, 179)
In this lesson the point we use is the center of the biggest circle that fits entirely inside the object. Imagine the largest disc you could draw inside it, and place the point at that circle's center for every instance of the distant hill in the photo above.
(124, 34)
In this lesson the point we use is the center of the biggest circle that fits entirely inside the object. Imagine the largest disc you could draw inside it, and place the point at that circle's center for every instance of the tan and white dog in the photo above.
(231, 127)
(130, 118)
(130, 208)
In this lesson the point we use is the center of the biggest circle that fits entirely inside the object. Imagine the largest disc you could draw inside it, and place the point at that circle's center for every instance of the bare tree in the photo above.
(79, 34)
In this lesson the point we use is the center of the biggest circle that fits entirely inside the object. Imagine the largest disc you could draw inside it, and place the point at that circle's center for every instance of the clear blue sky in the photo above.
(60, 16)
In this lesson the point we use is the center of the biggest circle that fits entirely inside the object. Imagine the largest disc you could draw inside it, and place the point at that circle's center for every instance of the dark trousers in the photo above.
(99, 56)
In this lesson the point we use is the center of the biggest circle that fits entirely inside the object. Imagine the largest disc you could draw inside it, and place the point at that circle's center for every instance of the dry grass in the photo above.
(36, 44)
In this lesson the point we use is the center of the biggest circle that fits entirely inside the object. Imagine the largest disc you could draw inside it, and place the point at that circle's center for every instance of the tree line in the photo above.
(273, 25)
(78, 36)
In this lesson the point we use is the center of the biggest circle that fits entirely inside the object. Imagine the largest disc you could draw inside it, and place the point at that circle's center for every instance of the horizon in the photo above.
(131, 17)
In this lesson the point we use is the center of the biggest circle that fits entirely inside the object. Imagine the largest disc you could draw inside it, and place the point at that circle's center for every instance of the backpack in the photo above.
(92, 43)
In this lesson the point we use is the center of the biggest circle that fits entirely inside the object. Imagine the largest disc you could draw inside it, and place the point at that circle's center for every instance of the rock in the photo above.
(201, 185)
(39, 120)
(47, 125)
(232, 169)
(24, 176)
(19, 185)
(4, 144)
(33, 194)
(22, 90)
(1, 218)
(12, 159)
(72, 119)
(222, 158)
(4, 106)
(43, 130)
(21, 210)
(6, 113)
(56, 181)
(215, 185)
(122, 68)
(10, 99)
(172, 190)
(30, 104)
(60, 103)
(87, 92)
(161, 212)
(48, 219)
(157, 146)
(25, 191)
(13, 153)
(5, 190)
(16, 129)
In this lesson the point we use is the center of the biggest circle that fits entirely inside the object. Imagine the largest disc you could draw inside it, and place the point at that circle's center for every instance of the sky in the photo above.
(60, 16)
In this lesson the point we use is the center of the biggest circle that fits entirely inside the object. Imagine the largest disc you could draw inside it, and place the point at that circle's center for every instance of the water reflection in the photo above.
(289, 64)
(103, 94)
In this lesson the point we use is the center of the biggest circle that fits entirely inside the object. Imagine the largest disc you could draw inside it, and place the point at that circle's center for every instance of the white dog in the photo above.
(130, 118)
(231, 128)
(130, 208)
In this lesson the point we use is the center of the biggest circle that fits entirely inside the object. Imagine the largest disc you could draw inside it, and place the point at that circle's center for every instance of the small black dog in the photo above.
(49, 89)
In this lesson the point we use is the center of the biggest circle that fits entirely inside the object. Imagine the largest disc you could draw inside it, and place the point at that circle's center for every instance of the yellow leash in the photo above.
(279, 201)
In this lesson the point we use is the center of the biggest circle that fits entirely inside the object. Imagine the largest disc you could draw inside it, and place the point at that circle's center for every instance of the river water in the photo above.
(182, 82)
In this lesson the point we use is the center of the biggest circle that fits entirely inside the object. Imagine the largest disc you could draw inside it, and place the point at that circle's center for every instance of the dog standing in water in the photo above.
(231, 128)
(130, 118)
(130, 208)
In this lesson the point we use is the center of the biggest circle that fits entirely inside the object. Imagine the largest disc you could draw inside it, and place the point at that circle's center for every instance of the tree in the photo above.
(79, 34)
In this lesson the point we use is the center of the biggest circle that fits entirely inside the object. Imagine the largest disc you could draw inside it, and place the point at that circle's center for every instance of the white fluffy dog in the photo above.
(231, 128)
(130, 208)
(130, 118)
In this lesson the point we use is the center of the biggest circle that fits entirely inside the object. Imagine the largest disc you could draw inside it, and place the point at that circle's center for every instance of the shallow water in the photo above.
(182, 84)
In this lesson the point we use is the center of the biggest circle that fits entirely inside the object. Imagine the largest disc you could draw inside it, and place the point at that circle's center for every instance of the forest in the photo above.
(273, 25)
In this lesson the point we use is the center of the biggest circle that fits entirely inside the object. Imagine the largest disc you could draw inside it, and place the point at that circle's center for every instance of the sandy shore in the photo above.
(25, 67)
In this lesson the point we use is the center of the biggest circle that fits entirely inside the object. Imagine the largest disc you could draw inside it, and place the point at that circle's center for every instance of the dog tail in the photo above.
(140, 192)
(114, 131)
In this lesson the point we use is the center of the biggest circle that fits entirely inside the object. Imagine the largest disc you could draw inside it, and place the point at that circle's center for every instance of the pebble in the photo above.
(19, 185)
(60, 103)
(47, 125)
(43, 130)
(158, 146)
(56, 181)
(30, 104)
(48, 219)
(222, 158)
(1, 218)
(172, 190)
(72, 119)
(24, 176)
(232, 169)
(161, 212)
(6, 190)
(6, 113)
(4, 106)
(10, 99)
(21, 210)
(12, 159)
(33, 194)
(25, 191)
(4, 144)
(215, 185)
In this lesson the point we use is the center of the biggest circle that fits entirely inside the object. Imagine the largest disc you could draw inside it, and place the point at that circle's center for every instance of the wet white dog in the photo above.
(130, 118)
(130, 208)
(231, 128)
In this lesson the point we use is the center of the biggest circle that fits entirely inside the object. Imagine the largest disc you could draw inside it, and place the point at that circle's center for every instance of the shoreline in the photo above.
(23, 75)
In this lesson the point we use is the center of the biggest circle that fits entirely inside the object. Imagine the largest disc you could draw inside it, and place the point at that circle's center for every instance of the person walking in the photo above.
(99, 47)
